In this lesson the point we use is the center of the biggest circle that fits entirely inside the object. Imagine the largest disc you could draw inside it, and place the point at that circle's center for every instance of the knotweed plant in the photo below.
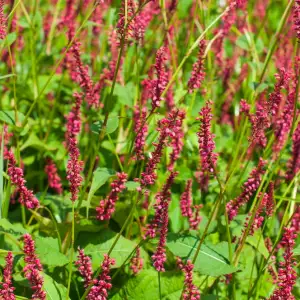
(149, 149)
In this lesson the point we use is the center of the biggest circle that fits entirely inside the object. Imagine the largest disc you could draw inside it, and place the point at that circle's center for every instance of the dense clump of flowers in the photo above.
(286, 274)
(187, 209)
(103, 283)
(2, 21)
(206, 143)
(32, 268)
(294, 162)
(84, 266)
(74, 166)
(166, 130)
(7, 289)
(176, 139)
(141, 130)
(107, 206)
(249, 188)
(198, 72)
(54, 180)
(16, 175)
(159, 225)
(190, 292)
(136, 262)
(295, 222)
(79, 73)
(6, 139)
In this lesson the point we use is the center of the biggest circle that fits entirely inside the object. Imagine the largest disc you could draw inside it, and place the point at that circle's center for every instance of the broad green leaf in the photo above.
(100, 176)
(16, 230)
(243, 43)
(132, 185)
(212, 260)
(10, 38)
(53, 289)
(98, 244)
(8, 117)
(257, 241)
(111, 126)
(34, 142)
(296, 251)
(125, 93)
(48, 252)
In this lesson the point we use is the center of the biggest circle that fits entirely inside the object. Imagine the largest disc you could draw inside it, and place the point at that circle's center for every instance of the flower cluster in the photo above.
(136, 262)
(73, 118)
(141, 130)
(206, 143)
(2, 21)
(249, 188)
(166, 130)
(296, 17)
(7, 289)
(286, 274)
(84, 266)
(190, 291)
(80, 74)
(159, 225)
(198, 72)
(102, 285)
(107, 206)
(187, 209)
(54, 180)
(32, 268)
(16, 175)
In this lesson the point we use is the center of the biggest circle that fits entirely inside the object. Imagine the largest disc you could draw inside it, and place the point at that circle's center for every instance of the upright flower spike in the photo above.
(249, 188)
(294, 162)
(286, 274)
(206, 143)
(159, 225)
(102, 284)
(84, 266)
(16, 175)
(296, 17)
(136, 262)
(107, 207)
(141, 130)
(190, 291)
(54, 180)
(80, 74)
(166, 130)
(198, 72)
(275, 98)
(187, 209)
(7, 289)
(32, 268)
(2, 21)
(75, 165)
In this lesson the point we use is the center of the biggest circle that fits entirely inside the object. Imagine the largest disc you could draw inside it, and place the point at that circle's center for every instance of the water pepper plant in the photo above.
(149, 149)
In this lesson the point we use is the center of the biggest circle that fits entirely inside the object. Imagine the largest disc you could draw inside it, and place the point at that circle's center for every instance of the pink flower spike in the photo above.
(286, 274)
(2, 21)
(32, 268)
(54, 180)
(249, 188)
(198, 72)
(7, 289)
(84, 266)
(107, 207)
(141, 129)
(136, 262)
(102, 284)
(296, 17)
(16, 175)
(206, 143)
(190, 291)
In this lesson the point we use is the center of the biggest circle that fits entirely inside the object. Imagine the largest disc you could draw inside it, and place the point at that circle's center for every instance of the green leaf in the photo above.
(53, 289)
(10, 38)
(16, 230)
(111, 126)
(7, 76)
(212, 260)
(8, 117)
(98, 244)
(257, 241)
(125, 93)
(35, 142)
(242, 42)
(296, 251)
(48, 252)
(132, 185)
(100, 176)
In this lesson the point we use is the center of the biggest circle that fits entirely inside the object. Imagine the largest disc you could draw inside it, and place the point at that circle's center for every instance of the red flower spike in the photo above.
(84, 266)
(54, 180)
(7, 289)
